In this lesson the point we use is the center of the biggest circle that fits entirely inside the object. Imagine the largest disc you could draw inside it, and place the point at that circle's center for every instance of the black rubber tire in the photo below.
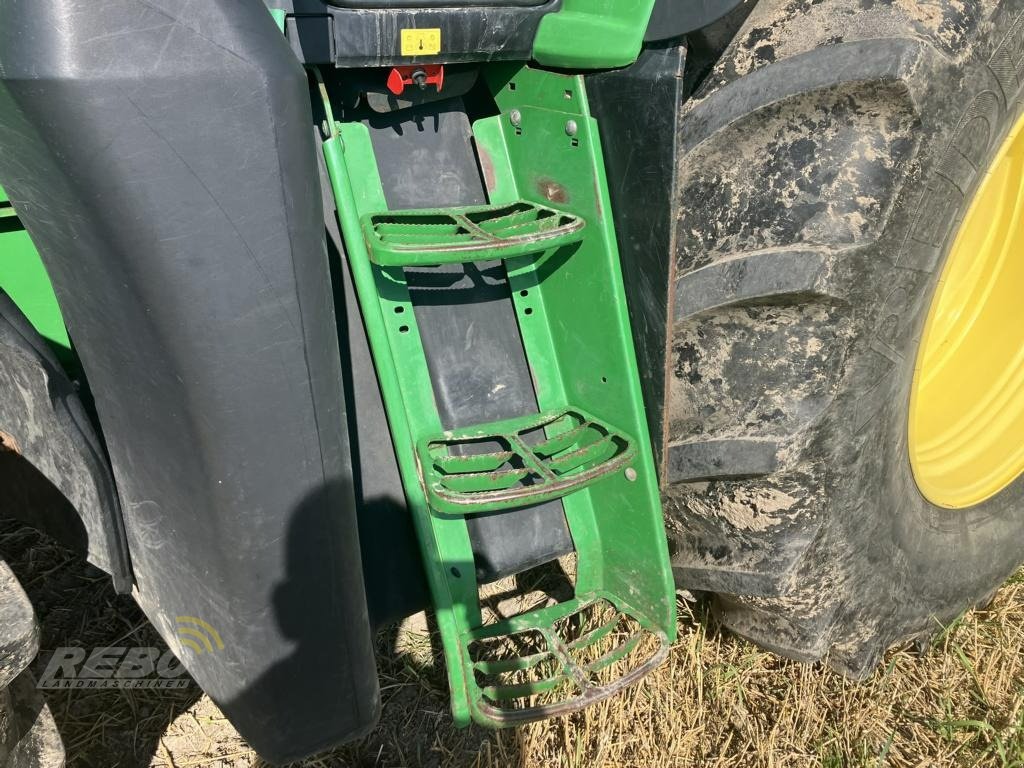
(28, 734)
(825, 164)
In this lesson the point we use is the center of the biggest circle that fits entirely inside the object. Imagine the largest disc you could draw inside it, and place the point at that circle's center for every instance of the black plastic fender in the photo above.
(54, 473)
(675, 18)
(159, 153)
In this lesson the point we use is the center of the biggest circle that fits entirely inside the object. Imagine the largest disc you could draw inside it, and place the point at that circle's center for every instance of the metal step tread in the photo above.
(471, 233)
(559, 659)
(520, 461)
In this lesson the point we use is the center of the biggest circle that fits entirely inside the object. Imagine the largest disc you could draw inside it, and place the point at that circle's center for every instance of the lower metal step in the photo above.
(558, 659)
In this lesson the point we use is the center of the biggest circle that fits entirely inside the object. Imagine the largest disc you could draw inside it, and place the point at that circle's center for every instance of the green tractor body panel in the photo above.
(593, 34)
(23, 277)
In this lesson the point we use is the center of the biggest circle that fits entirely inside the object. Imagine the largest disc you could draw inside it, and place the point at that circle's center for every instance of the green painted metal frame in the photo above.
(23, 277)
(543, 149)
(593, 34)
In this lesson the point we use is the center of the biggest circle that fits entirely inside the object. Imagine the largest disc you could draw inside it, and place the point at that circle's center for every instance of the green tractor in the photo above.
(316, 313)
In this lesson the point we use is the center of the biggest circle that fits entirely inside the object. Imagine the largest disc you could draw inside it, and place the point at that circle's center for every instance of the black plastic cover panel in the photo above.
(633, 105)
(54, 474)
(161, 157)
(368, 33)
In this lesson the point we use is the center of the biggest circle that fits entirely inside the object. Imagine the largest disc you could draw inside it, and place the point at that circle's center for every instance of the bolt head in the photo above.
(515, 117)
(631, 474)
(571, 128)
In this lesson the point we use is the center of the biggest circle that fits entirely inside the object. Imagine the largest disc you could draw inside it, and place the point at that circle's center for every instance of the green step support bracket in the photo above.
(549, 219)
(593, 34)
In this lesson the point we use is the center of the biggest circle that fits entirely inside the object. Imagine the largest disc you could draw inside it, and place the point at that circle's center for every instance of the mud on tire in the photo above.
(28, 734)
(826, 163)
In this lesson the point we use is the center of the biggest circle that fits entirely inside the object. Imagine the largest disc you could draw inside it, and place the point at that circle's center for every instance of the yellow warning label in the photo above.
(421, 42)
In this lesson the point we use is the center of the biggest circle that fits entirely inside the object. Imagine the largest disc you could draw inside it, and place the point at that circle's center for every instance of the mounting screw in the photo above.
(631, 474)
(515, 117)
(571, 129)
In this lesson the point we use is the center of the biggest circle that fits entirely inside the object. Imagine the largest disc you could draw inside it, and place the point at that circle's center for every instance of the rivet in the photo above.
(631, 474)
(571, 129)
(515, 117)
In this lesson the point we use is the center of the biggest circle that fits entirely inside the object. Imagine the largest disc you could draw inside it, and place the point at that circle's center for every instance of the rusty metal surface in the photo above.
(8, 443)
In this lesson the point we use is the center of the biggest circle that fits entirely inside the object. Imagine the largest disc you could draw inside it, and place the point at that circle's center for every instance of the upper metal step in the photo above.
(477, 233)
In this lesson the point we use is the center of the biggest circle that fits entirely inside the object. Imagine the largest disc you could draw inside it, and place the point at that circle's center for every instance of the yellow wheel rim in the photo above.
(967, 402)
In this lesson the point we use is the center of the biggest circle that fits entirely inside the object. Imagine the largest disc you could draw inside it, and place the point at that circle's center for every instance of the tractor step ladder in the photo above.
(549, 222)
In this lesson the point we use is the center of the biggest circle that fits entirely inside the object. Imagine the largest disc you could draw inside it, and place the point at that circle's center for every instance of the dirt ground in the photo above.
(717, 701)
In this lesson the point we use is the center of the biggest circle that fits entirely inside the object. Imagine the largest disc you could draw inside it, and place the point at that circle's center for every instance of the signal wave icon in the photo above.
(198, 635)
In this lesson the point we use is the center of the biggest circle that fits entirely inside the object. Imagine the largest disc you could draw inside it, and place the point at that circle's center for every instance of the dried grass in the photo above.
(717, 701)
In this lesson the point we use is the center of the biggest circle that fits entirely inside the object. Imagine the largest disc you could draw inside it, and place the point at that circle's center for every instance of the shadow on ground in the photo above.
(77, 606)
